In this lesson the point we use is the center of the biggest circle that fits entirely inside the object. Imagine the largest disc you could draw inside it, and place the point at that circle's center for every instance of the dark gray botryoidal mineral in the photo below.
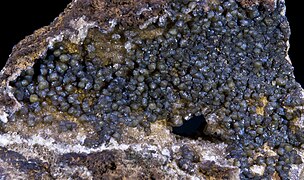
(95, 94)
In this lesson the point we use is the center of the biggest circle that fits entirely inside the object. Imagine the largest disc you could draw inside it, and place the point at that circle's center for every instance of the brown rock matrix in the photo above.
(95, 94)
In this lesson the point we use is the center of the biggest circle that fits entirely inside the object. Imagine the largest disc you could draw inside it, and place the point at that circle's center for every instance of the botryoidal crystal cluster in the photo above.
(106, 79)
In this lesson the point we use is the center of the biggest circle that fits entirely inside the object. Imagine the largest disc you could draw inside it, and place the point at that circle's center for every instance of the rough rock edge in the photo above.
(35, 46)
(167, 151)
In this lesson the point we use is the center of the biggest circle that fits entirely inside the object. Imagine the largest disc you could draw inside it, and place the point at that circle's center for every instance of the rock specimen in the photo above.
(96, 94)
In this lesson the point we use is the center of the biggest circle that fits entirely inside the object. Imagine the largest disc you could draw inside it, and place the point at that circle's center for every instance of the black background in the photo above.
(21, 18)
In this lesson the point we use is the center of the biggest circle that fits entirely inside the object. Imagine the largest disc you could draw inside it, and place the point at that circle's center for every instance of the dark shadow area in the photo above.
(193, 128)
(22, 18)
(295, 17)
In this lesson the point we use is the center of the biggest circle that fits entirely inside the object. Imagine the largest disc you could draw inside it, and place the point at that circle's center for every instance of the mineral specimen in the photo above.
(95, 94)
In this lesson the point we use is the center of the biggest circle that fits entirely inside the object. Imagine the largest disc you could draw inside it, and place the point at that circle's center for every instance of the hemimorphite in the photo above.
(216, 58)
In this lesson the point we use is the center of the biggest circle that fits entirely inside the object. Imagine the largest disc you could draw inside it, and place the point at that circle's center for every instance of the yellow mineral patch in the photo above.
(296, 121)
(71, 47)
(209, 4)
(260, 110)
(44, 129)
(105, 48)
(151, 34)
(276, 176)
(160, 134)
(268, 150)
(112, 51)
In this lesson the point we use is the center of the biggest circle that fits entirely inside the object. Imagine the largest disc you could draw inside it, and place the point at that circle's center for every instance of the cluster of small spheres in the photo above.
(224, 60)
